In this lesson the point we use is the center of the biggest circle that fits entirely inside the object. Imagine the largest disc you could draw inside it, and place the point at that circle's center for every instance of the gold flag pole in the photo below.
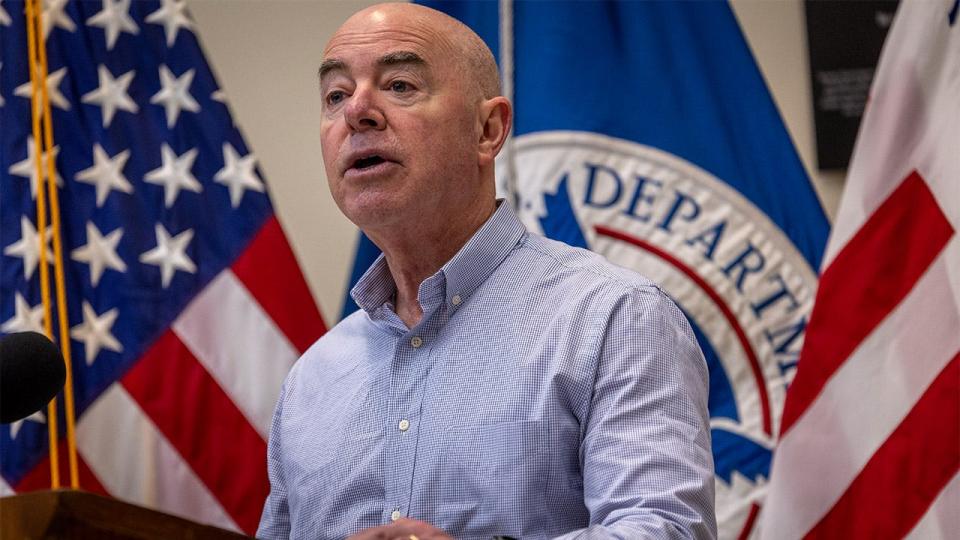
(59, 268)
(37, 50)
(37, 86)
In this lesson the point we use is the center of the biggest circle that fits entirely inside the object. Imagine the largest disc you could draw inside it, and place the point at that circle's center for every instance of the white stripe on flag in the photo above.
(240, 346)
(142, 467)
(864, 402)
(942, 519)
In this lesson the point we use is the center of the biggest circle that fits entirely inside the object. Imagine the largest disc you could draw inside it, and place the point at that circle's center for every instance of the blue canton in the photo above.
(544, 393)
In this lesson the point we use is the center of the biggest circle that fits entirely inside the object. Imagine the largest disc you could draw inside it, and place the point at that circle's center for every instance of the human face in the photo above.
(400, 125)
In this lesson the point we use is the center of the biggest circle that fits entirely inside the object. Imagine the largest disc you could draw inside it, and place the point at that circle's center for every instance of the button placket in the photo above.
(407, 380)
(400, 452)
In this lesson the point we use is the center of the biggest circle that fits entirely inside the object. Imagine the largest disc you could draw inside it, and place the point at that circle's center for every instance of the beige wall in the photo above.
(266, 53)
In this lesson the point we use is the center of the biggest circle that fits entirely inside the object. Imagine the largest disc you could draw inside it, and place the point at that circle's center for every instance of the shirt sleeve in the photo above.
(645, 456)
(275, 519)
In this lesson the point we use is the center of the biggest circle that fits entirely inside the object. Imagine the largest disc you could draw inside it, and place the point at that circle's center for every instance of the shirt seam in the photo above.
(608, 279)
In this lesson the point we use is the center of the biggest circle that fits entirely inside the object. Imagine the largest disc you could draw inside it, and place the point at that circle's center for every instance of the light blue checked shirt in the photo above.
(545, 391)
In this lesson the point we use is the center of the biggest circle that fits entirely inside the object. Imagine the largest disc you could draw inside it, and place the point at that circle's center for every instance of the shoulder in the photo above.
(612, 295)
(581, 271)
(546, 286)
(336, 352)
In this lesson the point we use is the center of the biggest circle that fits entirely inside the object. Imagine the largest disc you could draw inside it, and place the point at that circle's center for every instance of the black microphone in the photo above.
(31, 374)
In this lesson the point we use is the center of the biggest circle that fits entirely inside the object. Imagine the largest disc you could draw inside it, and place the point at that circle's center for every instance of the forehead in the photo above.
(365, 43)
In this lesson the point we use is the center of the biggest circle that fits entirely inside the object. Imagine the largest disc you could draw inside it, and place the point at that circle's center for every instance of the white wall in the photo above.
(266, 53)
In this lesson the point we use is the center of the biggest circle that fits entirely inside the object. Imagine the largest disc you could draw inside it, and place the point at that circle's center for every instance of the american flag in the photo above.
(870, 444)
(186, 305)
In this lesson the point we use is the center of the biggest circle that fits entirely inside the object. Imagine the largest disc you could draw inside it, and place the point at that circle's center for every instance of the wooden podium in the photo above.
(77, 514)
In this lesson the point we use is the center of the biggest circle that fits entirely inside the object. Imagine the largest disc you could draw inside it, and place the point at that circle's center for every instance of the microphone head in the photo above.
(31, 374)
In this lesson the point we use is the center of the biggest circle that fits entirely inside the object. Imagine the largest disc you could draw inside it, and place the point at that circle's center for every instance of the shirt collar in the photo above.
(462, 274)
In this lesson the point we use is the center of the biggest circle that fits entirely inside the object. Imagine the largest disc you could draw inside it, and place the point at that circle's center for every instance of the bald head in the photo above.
(412, 123)
(458, 43)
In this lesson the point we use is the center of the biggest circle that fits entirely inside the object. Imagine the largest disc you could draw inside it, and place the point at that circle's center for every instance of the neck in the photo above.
(414, 257)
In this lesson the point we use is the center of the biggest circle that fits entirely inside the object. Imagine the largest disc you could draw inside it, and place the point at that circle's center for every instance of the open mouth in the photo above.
(367, 162)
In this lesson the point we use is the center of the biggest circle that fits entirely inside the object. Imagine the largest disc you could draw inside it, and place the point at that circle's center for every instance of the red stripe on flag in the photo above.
(39, 476)
(223, 449)
(907, 472)
(871, 275)
(748, 524)
(269, 270)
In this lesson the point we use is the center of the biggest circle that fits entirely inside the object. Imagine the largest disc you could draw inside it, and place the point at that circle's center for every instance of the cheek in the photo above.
(328, 147)
(448, 144)
(329, 150)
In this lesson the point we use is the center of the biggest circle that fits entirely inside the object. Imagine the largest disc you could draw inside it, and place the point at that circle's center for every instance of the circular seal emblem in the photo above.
(743, 285)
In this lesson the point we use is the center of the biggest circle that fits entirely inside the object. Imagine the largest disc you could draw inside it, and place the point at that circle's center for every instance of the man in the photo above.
(494, 382)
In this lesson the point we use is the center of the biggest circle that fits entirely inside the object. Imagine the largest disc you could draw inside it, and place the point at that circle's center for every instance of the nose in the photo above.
(363, 112)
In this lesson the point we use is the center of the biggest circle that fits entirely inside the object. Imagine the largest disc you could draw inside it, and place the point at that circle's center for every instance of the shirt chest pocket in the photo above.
(502, 467)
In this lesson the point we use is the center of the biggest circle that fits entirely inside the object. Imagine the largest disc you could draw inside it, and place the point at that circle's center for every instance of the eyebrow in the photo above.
(397, 58)
(331, 64)
(400, 58)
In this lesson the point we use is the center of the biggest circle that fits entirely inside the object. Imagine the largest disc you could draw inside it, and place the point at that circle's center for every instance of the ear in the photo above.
(496, 119)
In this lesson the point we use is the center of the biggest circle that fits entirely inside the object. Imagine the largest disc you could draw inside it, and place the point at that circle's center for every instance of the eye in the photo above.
(335, 97)
(400, 87)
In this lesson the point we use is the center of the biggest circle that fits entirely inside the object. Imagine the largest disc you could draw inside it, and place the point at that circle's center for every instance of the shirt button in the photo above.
(395, 515)
(456, 300)
(416, 342)
(404, 425)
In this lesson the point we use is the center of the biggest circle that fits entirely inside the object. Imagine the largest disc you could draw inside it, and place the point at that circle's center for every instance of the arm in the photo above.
(275, 519)
(645, 456)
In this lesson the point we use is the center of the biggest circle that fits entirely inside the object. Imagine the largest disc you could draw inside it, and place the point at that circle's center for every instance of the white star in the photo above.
(112, 94)
(4, 18)
(38, 417)
(172, 16)
(100, 252)
(238, 174)
(94, 332)
(114, 18)
(28, 167)
(175, 94)
(170, 254)
(53, 90)
(106, 173)
(53, 15)
(28, 247)
(25, 318)
(2, 14)
(174, 174)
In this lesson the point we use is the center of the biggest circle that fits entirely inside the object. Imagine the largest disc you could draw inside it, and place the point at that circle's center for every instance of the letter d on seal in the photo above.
(589, 198)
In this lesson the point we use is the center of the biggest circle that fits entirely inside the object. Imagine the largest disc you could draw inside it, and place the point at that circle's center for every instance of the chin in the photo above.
(375, 212)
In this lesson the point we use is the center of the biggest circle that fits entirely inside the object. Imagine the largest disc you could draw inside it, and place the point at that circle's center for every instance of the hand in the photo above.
(403, 529)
